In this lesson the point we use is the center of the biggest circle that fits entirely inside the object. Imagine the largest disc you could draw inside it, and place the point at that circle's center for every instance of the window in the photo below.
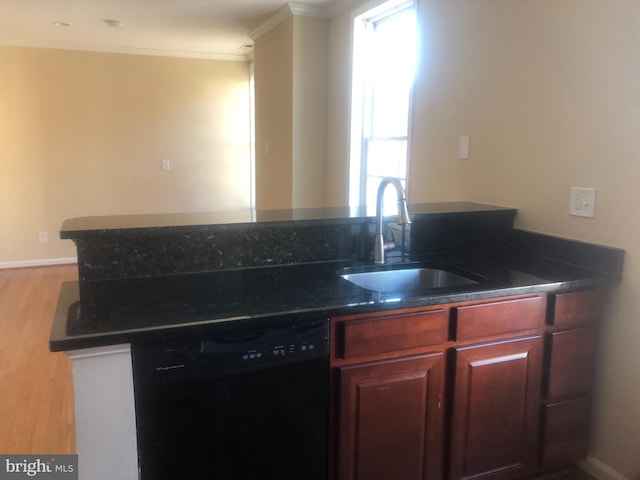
(383, 71)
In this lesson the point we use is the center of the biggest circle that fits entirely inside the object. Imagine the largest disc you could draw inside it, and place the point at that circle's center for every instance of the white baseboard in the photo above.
(599, 470)
(39, 263)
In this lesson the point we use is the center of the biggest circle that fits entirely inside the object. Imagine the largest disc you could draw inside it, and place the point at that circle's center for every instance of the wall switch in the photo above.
(43, 237)
(166, 164)
(582, 202)
(463, 148)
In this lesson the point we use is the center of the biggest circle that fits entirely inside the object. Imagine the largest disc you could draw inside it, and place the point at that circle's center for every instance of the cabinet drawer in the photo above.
(487, 319)
(374, 336)
(571, 361)
(565, 432)
(576, 308)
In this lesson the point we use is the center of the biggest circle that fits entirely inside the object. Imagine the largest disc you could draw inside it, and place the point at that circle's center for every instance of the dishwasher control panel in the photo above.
(282, 350)
(257, 348)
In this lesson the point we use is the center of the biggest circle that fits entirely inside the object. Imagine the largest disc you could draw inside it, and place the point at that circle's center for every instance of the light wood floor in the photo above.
(36, 393)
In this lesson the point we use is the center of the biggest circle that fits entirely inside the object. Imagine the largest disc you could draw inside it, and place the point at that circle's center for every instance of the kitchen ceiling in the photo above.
(191, 28)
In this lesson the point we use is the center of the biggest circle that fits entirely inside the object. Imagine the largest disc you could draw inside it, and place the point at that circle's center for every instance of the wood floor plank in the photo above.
(36, 399)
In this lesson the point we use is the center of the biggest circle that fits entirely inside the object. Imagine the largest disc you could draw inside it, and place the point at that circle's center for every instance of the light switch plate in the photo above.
(463, 148)
(582, 202)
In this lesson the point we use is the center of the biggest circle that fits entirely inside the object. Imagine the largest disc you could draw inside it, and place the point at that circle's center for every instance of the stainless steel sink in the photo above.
(403, 279)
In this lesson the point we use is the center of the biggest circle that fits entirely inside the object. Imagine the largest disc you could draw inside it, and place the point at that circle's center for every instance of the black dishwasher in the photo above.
(242, 405)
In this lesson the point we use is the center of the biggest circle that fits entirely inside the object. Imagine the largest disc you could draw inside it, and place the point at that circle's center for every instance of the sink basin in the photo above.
(403, 279)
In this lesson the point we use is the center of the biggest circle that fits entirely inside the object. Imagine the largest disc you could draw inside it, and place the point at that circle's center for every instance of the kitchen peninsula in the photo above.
(182, 276)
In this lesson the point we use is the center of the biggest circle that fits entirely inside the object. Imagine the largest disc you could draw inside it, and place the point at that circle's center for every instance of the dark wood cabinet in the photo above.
(388, 377)
(390, 419)
(569, 359)
(495, 409)
(498, 389)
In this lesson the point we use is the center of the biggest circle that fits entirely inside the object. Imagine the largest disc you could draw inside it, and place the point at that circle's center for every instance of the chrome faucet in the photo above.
(403, 217)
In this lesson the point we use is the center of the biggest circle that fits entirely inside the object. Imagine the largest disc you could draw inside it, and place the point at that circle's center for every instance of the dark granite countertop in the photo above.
(153, 277)
(140, 309)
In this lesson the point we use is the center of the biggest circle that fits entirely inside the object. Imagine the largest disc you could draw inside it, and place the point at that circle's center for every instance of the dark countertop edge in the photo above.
(79, 227)
(69, 295)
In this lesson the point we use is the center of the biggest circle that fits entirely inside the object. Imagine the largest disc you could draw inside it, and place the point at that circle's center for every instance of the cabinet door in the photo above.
(494, 424)
(390, 420)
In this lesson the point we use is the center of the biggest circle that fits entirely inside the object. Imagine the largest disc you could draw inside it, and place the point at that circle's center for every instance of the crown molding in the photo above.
(339, 6)
(131, 51)
(271, 22)
(289, 10)
(307, 10)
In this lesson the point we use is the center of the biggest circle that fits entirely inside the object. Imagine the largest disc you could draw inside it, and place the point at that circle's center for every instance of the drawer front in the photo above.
(488, 319)
(565, 432)
(575, 308)
(571, 361)
(374, 336)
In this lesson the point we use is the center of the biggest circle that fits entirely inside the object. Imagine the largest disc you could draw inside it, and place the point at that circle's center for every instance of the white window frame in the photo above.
(362, 18)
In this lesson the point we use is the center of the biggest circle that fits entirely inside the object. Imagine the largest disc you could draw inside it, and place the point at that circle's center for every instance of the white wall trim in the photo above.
(240, 57)
(339, 6)
(104, 411)
(289, 10)
(43, 262)
(308, 10)
(271, 22)
(599, 470)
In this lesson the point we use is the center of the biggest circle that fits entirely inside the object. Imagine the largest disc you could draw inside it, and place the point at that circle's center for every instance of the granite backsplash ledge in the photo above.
(154, 252)
(599, 258)
(146, 246)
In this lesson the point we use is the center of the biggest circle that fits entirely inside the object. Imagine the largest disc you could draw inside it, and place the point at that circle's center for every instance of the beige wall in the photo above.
(291, 113)
(85, 133)
(339, 110)
(273, 64)
(549, 92)
(310, 64)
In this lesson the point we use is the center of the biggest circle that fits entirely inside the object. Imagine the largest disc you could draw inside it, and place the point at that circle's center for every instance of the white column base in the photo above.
(105, 413)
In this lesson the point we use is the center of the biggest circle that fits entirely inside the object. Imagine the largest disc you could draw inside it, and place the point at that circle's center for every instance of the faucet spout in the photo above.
(380, 247)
